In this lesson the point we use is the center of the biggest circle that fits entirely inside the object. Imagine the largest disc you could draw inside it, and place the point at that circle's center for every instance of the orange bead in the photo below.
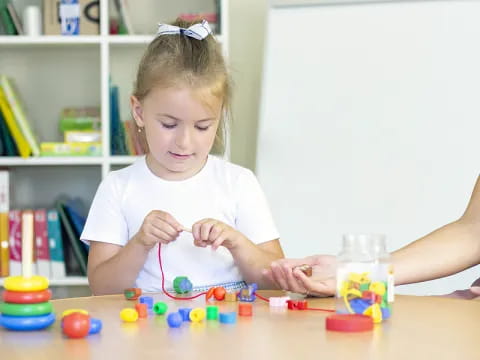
(245, 309)
(142, 310)
(219, 293)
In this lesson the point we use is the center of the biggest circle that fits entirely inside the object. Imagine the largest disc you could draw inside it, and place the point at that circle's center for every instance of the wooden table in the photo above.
(420, 328)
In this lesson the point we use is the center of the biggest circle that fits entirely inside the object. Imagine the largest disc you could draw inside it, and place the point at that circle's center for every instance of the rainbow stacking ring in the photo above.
(27, 323)
(26, 284)
(30, 297)
(26, 309)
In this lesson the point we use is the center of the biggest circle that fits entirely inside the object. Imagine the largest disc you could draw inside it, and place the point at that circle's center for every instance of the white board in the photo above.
(370, 120)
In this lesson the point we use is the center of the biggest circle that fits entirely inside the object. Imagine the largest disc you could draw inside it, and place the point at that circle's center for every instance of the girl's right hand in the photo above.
(158, 227)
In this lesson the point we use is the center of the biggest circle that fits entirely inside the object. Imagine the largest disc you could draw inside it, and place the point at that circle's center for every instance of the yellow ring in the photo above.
(197, 315)
(20, 283)
(71, 311)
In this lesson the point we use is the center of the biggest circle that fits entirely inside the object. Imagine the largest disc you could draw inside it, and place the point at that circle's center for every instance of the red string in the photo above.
(203, 293)
(163, 280)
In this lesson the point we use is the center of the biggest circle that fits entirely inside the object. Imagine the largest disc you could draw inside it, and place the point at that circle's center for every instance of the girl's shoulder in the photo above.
(225, 170)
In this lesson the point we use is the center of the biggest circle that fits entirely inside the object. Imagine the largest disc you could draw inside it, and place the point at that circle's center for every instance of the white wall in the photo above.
(369, 122)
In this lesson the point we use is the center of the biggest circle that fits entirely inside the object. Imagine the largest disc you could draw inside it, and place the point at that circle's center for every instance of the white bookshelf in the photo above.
(54, 72)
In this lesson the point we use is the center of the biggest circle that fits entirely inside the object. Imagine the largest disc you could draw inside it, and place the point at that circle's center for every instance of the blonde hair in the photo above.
(179, 60)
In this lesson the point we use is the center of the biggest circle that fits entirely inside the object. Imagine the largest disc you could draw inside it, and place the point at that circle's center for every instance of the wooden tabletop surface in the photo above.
(421, 328)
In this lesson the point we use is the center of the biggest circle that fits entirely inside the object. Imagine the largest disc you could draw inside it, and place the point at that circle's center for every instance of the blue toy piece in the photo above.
(248, 293)
(185, 313)
(386, 313)
(228, 318)
(182, 285)
(27, 323)
(146, 300)
(359, 305)
(95, 326)
(174, 320)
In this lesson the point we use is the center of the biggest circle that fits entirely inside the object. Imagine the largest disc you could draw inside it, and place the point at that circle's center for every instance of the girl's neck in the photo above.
(164, 173)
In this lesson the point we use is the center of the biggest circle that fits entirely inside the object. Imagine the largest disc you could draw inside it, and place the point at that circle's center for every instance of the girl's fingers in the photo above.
(278, 275)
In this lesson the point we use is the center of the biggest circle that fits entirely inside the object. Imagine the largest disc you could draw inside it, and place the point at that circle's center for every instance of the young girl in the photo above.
(210, 217)
(446, 251)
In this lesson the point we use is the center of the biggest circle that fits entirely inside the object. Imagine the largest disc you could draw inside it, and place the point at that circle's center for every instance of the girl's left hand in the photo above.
(215, 233)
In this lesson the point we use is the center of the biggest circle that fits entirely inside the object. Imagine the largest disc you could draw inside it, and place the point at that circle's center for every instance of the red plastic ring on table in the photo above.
(349, 322)
(245, 309)
(30, 297)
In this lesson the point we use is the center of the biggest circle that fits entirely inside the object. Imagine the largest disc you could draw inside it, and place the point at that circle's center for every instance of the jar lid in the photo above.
(349, 322)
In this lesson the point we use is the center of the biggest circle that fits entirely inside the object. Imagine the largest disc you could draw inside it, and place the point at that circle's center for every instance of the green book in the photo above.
(9, 146)
(6, 20)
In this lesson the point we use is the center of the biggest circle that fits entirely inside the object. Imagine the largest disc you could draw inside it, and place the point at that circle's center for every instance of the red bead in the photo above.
(292, 304)
(76, 325)
(349, 322)
(209, 293)
(219, 293)
(302, 305)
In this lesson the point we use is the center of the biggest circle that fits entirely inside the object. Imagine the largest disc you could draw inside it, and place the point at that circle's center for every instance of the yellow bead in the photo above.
(378, 288)
(20, 283)
(197, 315)
(71, 311)
(129, 315)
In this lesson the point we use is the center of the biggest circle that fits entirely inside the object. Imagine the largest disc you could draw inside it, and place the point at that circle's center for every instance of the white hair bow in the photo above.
(197, 31)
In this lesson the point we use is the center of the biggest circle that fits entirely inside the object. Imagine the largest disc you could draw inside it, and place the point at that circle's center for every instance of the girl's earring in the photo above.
(139, 130)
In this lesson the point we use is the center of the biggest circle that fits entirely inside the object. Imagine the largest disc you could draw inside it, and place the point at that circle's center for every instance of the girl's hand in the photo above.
(215, 233)
(158, 227)
(287, 276)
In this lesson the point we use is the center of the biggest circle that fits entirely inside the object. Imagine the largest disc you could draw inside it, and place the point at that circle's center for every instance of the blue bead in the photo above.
(146, 300)
(228, 318)
(185, 313)
(174, 320)
(27, 323)
(359, 305)
(386, 313)
(95, 326)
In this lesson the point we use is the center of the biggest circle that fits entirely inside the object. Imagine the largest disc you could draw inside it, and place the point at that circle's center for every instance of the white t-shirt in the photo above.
(221, 190)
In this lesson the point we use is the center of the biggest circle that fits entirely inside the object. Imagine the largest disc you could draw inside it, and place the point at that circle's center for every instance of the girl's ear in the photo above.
(137, 111)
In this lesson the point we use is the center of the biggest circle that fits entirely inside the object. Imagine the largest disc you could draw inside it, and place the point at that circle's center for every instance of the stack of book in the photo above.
(81, 128)
(58, 251)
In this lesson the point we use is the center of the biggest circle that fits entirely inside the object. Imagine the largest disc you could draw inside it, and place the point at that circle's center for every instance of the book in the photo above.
(41, 242)
(83, 136)
(20, 140)
(117, 134)
(15, 237)
(9, 146)
(72, 242)
(125, 23)
(55, 244)
(19, 113)
(28, 250)
(87, 118)
(15, 18)
(6, 20)
(4, 208)
(70, 149)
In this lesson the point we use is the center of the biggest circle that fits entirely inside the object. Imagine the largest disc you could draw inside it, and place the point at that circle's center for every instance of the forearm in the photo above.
(119, 272)
(251, 260)
(446, 251)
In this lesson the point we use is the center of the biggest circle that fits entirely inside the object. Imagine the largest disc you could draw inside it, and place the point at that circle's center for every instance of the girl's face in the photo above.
(180, 126)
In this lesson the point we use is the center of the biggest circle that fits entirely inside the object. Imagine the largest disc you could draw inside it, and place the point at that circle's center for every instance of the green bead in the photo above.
(160, 308)
(182, 285)
(364, 287)
(212, 312)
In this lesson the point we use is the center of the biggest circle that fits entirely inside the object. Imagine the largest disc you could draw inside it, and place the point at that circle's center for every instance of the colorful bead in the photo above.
(160, 308)
(185, 313)
(148, 300)
(182, 285)
(95, 326)
(228, 318)
(71, 311)
(230, 296)
(129, 315)
(212, 312)
(197, 315)
(132, 293)
(219, 293)
(278, 301)
(174, 320)
(142, 310)
(245, 309)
